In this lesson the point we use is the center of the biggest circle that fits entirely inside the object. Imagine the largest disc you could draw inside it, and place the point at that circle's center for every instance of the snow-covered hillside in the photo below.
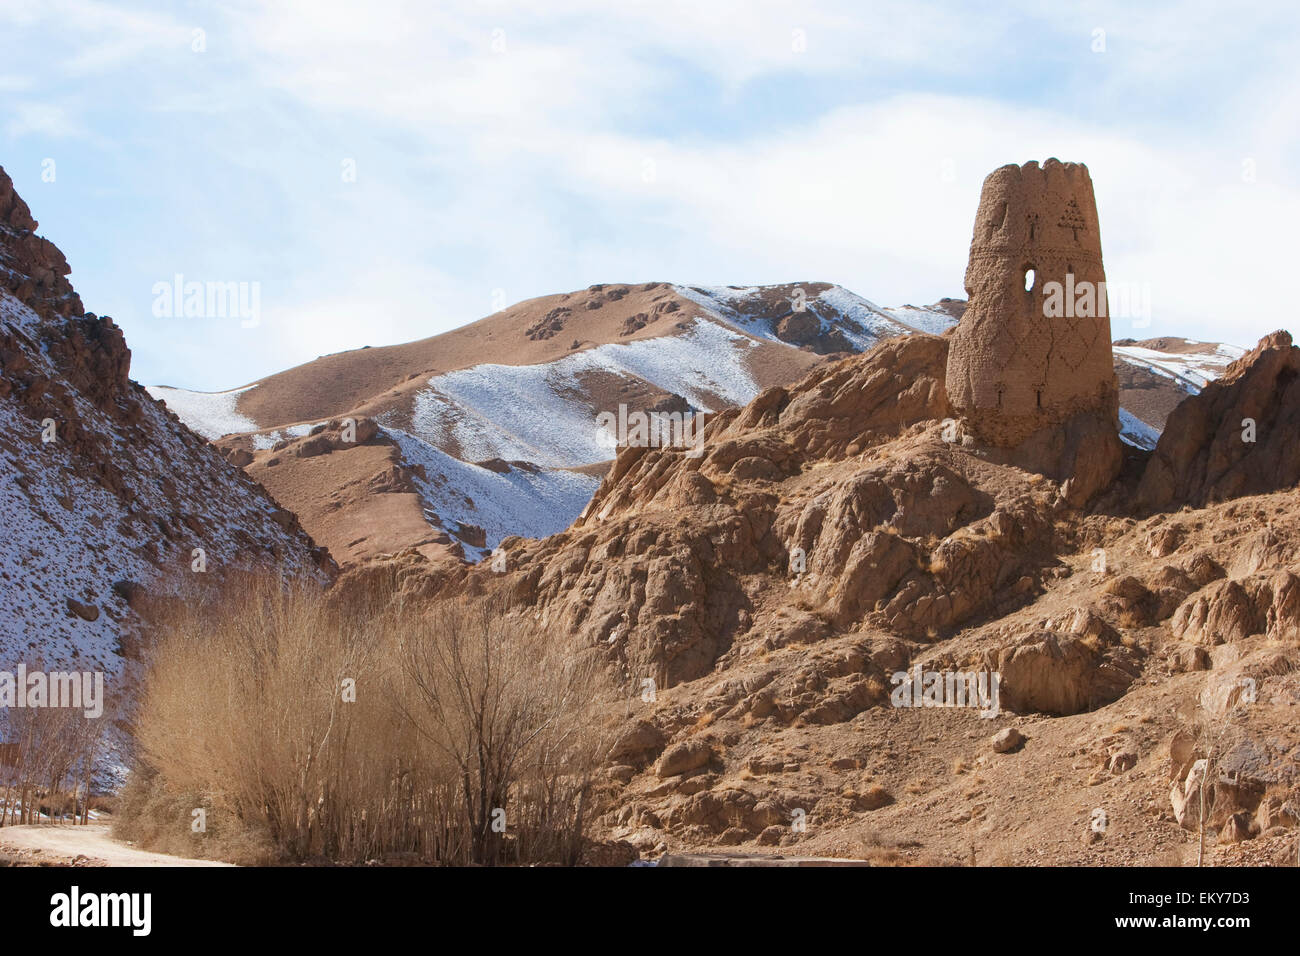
(755, 310)
(523, 500)
(105, 496)
(1136, 432)
(210, 414)
(543, 414)
(1191, 370)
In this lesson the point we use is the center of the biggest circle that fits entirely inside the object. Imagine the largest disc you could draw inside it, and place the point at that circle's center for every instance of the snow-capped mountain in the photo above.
(524, 388)
(530, 413)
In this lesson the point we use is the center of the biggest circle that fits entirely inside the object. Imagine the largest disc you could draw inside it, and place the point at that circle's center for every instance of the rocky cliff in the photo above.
(106, 495)
(832, 536)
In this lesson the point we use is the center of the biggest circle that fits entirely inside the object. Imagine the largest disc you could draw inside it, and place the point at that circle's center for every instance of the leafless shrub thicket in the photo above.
(313, 725)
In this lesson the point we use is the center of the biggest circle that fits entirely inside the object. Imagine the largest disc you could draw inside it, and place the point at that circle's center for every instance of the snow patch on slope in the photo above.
(17, 315)
(265, 440)
(210, 414)
(1136, 432)
(880, 324)
(862, 323)
(1191, 370)
(933, 321)
(523, 501)
(726, 303)
(57, 543)
(538, 413)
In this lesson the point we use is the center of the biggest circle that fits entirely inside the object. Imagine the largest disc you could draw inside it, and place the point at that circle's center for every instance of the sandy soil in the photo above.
(49, 844)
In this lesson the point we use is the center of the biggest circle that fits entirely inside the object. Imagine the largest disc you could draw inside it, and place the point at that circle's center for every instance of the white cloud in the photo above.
(854, 194)
(43, 119)
(100, 35)
(510, 146)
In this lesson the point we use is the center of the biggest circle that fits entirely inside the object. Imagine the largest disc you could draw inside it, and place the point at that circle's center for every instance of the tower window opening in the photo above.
(1038, 395)
(1029, 279)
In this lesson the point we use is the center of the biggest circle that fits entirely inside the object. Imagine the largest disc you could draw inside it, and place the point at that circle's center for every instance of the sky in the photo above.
(378, 171)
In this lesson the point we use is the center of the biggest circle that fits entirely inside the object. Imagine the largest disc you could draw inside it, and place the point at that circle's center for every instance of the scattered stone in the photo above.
(1007, 739)
(87, 612)
(1122, 762)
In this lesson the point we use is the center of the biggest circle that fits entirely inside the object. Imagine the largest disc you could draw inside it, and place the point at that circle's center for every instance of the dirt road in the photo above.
(65, 843)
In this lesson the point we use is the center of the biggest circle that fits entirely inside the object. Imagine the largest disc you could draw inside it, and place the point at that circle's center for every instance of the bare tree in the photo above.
(510, 710)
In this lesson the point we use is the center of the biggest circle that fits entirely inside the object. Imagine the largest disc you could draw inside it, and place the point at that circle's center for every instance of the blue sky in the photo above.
(508, 150)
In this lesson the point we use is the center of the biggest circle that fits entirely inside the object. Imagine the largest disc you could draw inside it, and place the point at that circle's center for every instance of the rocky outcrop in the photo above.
(684, 757)
(852, 406)
(855, 536)
(840, 488)
(1232, 610)
(1248, 785)
(32, 269)
(1237, 437)
(1061, 674)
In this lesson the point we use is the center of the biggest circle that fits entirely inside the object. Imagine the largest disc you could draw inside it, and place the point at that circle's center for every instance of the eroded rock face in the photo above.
(1232, 610)
(892, 526)
(1014, 366)
(861, 528)
(1237, 437)
(32, 268)
(1061, 674)
(1249, 784)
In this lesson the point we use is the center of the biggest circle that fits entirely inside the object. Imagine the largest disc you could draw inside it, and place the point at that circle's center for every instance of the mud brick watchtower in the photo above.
(1013, 369)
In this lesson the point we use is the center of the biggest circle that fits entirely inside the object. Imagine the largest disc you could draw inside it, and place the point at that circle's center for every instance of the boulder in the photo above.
(1006, 740)
(683, 757)
(87, 612)
(638, 743)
